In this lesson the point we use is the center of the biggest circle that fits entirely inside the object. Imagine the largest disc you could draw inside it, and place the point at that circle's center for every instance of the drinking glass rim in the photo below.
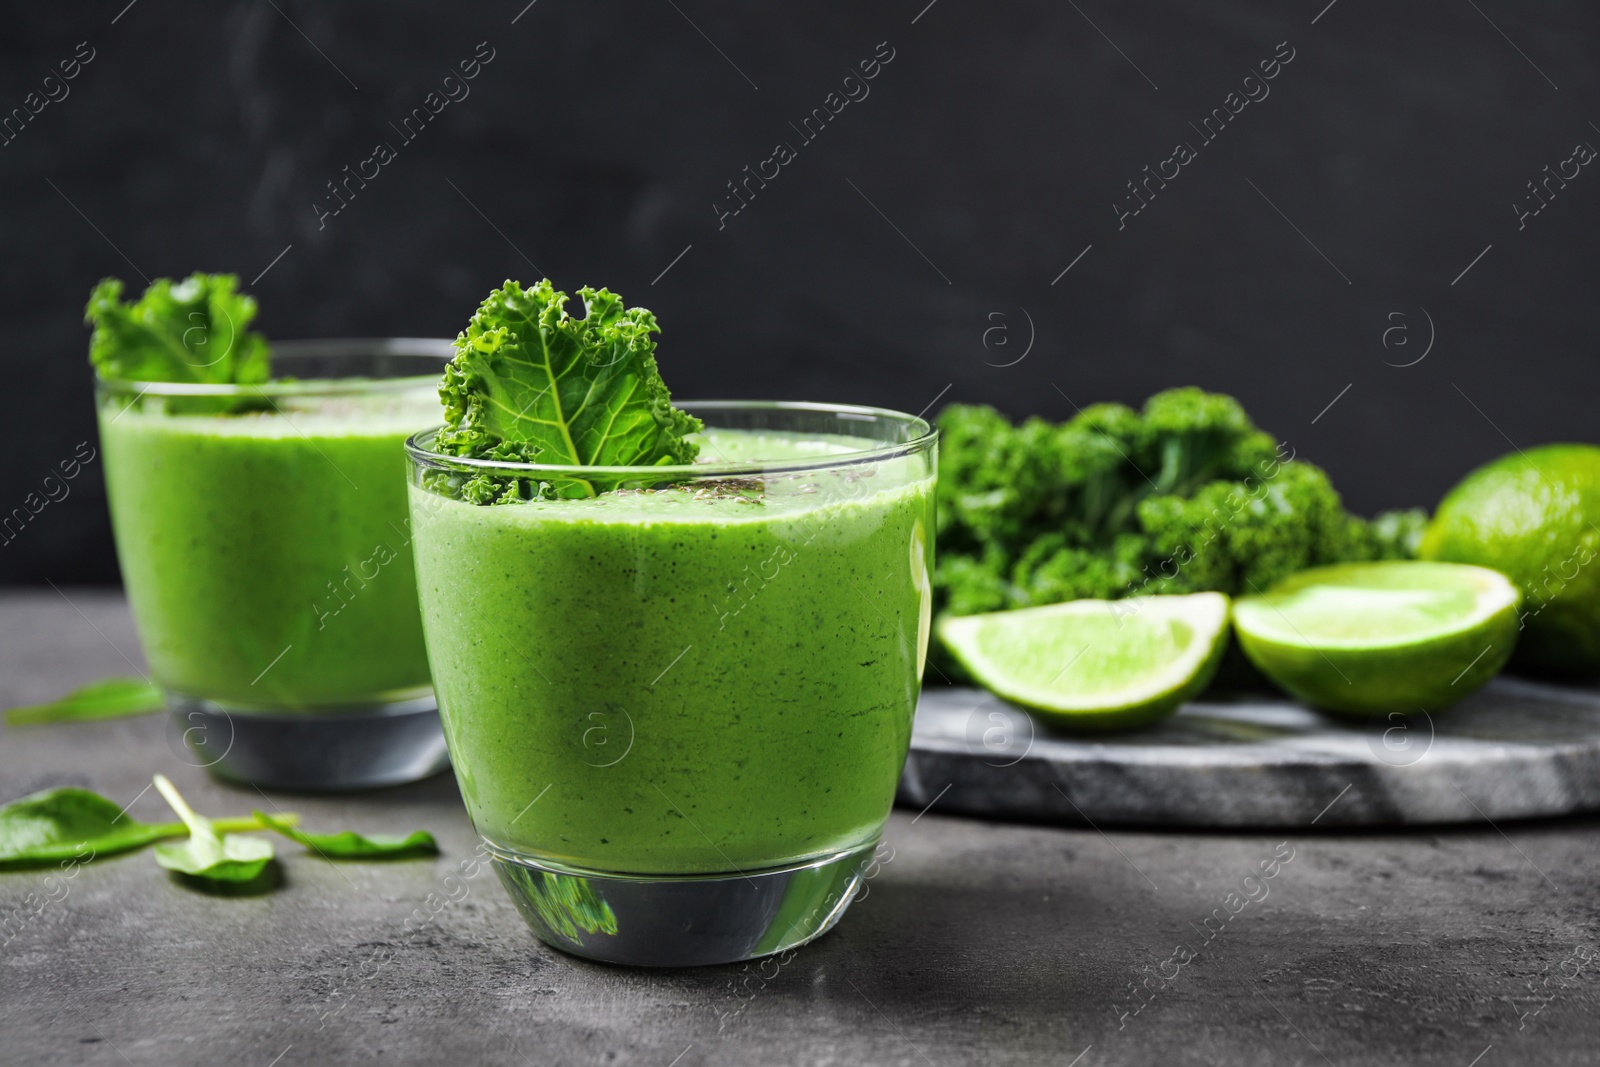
(441, 348)
(926, 435)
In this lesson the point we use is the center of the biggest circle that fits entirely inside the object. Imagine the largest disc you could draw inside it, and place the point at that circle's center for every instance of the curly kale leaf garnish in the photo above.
(531, 383)
(196, 330)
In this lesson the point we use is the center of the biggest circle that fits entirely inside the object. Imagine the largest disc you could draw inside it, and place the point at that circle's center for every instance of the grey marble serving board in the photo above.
(1516, 749)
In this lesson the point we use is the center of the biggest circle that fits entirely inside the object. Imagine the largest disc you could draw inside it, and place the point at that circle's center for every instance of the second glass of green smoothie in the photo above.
(266, 549)
(679, 699)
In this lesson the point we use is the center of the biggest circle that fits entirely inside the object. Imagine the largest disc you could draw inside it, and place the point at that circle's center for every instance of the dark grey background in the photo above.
(987, 157)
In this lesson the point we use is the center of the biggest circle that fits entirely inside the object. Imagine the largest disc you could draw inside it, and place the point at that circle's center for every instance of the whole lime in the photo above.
(1535, 517)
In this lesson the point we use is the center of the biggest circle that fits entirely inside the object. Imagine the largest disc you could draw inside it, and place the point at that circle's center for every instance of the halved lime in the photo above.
(1374, 638)
(1095, 664)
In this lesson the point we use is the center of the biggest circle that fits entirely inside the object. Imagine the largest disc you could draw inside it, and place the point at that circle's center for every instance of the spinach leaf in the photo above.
(60, 825)
(112, 698)
(350, 845)
(207, 854)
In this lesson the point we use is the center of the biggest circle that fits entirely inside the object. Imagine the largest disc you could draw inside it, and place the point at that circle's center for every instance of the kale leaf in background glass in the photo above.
(196, 330)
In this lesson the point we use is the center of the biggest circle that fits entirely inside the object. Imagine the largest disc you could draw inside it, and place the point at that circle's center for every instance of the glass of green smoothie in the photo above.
(678, 697)
(264, 539)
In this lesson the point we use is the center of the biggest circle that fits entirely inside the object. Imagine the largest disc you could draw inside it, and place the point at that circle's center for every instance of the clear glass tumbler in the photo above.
(678, 699)
(265, 546)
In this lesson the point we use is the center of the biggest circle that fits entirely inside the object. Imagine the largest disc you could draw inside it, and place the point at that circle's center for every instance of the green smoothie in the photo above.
(267, 555)
(709, 678)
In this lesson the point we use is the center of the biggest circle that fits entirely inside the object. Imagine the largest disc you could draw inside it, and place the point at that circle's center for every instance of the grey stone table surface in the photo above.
(977, 943)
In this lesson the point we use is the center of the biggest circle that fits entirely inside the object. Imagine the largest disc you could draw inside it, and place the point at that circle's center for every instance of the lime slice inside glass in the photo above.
(1374, 638)
(1095, 664)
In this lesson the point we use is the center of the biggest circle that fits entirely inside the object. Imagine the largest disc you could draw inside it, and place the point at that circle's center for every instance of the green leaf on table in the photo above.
(530, 383)
(195, 330)
(112, 698)
(208, 854)
(60, 825)
(349, 845)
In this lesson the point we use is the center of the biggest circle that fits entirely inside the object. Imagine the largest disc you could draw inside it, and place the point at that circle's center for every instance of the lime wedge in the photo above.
(1095, 664)
(1373, 638)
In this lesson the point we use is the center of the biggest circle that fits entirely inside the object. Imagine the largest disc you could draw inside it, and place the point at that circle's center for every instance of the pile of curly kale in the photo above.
(1184, 496)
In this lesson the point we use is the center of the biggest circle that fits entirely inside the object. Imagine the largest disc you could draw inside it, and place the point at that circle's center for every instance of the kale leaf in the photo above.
(531, 383)
(196, 330)
(1184, 496)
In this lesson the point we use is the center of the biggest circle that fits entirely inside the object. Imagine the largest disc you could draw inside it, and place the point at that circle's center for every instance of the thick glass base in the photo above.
(681, 921)
(317, 751)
